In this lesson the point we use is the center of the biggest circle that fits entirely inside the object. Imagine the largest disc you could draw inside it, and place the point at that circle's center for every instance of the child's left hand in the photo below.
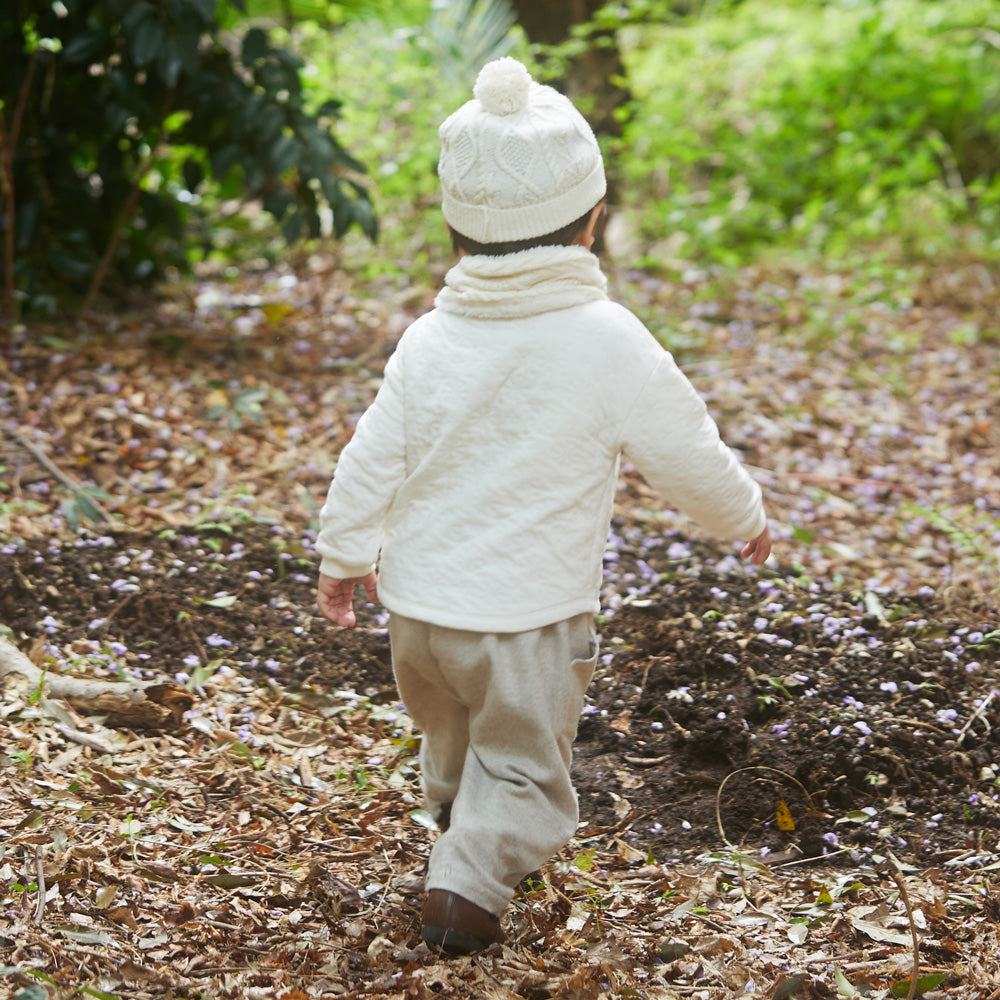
(758, 549)
(335, 598)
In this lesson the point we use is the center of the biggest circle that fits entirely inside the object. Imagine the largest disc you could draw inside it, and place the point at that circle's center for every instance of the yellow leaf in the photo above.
(217, 397)
(276, 311)
(784, 816)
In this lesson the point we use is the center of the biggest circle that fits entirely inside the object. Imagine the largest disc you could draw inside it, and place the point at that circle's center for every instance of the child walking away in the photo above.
(481, 480)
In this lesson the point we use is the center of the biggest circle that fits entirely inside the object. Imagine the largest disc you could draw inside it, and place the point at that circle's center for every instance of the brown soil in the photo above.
(825, 701)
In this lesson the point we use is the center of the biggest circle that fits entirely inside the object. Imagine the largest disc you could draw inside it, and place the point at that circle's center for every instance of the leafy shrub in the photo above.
(400, 75)
(825, 123)
(800, 123)
(127, 108)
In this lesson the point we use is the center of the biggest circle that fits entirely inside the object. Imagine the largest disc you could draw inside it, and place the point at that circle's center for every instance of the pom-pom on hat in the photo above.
(517, 161)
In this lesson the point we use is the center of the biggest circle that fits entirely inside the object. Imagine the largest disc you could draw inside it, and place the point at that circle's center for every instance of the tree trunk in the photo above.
(592, 79)
(133, 704)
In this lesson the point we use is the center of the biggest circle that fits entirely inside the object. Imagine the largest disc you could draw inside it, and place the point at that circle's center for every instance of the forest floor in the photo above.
(789, 777)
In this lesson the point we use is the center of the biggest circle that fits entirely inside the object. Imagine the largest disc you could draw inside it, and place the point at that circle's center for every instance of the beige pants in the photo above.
(499, 713)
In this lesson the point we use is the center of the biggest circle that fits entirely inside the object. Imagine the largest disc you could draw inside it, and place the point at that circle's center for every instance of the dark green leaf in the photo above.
(293, 228)
(170, 64)
(27, 219)
(135, 14)
(193, 173)
(278, 202)
(363, 215)
(254, 46)
(329, 109)
(69, 265)
(147, 41)
(285, 153)
(205, 9)
(224, 159)
(85, 47)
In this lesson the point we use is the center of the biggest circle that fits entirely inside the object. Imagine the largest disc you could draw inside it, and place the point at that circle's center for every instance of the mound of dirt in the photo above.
(765, 711)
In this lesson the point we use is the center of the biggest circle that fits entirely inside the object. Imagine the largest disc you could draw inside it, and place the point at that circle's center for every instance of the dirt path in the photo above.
(755, 746)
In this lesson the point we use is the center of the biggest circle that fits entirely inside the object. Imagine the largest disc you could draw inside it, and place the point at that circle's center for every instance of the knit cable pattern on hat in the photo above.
(518, 161)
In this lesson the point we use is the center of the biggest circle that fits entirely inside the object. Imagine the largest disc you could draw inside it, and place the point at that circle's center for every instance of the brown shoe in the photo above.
(456, 925)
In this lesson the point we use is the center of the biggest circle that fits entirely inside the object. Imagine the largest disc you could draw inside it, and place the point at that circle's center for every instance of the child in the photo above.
(482, 479)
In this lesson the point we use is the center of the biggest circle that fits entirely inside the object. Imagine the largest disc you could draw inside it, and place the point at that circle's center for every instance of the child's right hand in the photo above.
(758, 549)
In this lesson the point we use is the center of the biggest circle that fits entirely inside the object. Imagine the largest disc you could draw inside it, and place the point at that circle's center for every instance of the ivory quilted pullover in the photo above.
(482, 477)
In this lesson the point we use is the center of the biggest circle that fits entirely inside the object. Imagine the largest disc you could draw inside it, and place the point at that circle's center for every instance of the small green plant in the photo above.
(33, 991)
(130, 829)
(233, 411)
(22, 758)
(90, 991)
(36, 695)
(990, 639)
(81, 507)
(968, 530)
(240, 749)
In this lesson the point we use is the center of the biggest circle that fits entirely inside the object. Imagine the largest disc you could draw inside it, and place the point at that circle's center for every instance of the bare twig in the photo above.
(975, 715)
(742, 770)
(892, 870)
(128, 207)
(915, 723)
(40, 882)
(152, 704)
(50, 466)
(812, 477)
(8, 143)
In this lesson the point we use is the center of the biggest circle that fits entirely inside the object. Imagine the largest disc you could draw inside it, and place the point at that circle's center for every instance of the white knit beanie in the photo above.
(518, 161)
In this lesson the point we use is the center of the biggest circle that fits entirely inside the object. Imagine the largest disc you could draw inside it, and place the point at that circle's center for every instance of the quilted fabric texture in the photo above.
(485, 470)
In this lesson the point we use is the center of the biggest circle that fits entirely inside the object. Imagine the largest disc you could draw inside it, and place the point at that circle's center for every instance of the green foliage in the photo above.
(82, 506)
(400, 76)
(821, 126)
(245, 405)
(969, 530)
(825, 124)
(129, 110)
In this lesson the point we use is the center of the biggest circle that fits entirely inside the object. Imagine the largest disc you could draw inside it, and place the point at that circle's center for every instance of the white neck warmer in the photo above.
(522, 284)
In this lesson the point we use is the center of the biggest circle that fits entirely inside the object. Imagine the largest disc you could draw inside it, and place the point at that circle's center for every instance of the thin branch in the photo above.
(892, 870)
(975, 715)
(44, 460)
(811, 477)
(40, 882)
(8, 143)
(743, 770)
(124, 215)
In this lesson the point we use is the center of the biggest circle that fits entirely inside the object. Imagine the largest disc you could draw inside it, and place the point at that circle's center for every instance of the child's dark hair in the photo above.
(561, 237)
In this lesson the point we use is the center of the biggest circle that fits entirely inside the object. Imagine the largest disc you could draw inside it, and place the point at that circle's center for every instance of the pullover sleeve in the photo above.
(370, 470)
(674, 442)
